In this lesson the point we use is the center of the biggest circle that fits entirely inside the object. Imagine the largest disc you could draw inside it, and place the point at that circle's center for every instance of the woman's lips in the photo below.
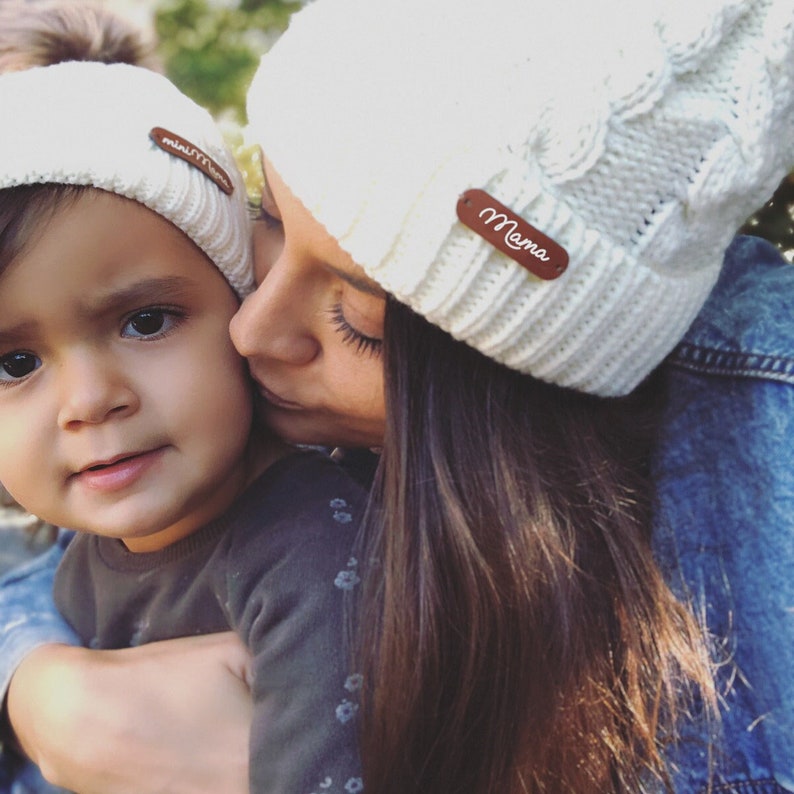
(274, 399)
(119, 473)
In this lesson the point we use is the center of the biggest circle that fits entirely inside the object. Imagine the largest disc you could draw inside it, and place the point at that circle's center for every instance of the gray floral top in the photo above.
(278, 568)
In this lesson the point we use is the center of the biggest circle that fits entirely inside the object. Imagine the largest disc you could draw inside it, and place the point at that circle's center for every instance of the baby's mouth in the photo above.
(112, 462)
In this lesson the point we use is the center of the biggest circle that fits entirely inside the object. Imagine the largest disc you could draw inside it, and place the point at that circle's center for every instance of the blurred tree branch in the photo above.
(211, 49)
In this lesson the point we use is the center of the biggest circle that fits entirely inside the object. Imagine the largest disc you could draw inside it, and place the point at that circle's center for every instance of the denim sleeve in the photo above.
(28, 617)
(727, 497)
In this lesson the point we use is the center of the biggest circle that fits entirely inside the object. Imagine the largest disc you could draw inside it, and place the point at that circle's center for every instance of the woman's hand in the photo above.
(169, 717)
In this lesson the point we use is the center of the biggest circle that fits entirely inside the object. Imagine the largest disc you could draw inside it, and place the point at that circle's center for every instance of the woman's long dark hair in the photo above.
(516, 635)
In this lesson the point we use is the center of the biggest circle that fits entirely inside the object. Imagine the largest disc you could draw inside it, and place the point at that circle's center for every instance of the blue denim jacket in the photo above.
(725, 473)
(725, 529)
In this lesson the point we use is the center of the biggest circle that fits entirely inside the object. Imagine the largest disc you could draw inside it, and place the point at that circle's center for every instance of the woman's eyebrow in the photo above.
(359, 282)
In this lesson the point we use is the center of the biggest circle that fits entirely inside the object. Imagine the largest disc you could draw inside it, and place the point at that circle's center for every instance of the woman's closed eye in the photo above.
(363, 344)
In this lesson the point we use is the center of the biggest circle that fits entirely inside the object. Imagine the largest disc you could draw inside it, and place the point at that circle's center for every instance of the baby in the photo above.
(127, 415)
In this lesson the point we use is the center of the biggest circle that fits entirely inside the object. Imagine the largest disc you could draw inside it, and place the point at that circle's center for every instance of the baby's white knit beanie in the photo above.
(636, 136)
(129, 131)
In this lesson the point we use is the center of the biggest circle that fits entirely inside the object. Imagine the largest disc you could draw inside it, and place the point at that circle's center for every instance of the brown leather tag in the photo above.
(190, 153)
(512, 235)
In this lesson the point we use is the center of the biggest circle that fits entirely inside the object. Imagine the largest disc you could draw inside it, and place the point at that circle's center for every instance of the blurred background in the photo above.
(210, 48)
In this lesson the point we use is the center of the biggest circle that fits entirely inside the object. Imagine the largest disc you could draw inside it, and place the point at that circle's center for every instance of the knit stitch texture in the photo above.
(88, 123)
(638, 136)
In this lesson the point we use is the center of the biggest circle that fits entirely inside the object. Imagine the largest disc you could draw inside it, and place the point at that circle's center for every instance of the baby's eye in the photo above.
(149, 323)
(17, 365)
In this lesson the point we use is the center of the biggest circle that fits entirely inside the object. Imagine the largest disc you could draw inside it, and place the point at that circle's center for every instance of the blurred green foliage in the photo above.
(211, 48)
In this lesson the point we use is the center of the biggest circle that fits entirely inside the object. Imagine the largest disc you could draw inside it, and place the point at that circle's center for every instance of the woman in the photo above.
(515, 634)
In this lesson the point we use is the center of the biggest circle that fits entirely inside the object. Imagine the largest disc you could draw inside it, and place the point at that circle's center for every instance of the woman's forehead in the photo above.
(299, 221)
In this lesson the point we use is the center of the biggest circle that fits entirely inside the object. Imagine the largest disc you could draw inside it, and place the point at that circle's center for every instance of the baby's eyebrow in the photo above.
(10, 337)
(145, 291)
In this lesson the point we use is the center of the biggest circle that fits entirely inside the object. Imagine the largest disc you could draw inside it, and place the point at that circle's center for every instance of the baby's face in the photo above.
(124, 408)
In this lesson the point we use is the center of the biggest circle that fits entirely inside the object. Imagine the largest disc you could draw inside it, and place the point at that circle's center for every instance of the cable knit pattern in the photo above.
(88, 123)
(637, 136)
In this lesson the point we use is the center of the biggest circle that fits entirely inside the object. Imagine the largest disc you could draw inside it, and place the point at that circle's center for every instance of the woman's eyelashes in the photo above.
(363, 344)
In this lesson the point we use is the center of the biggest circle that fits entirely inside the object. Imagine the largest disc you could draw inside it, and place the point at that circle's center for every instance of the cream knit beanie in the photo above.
(128, 130)
(633, 137)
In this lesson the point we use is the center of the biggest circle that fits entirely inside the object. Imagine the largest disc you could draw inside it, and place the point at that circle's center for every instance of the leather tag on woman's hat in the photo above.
(512, 235)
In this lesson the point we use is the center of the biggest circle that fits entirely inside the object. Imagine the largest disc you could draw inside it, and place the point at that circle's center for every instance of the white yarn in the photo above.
(88, 123)
(638, 136)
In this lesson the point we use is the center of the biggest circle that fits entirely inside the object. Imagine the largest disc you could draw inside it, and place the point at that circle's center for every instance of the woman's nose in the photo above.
(92, 390)
(271, 324)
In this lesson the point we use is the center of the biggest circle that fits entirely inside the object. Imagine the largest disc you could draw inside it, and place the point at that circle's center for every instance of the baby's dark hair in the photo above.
(44, 32)
(26, 210)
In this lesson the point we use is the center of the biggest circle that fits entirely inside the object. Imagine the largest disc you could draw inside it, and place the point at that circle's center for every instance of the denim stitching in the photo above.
(766, 786)
(720, 362)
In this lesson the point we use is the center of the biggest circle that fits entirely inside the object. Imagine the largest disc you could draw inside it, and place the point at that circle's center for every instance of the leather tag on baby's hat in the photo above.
(190, 153)
(512, 235)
